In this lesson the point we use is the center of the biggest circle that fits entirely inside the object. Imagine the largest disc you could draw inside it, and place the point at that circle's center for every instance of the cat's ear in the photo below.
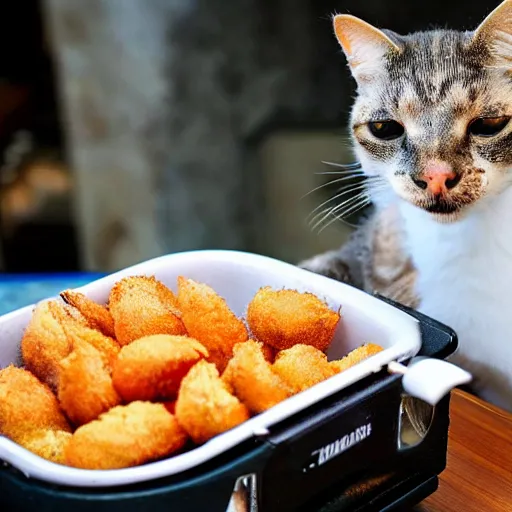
(495, 33)
(364, 45)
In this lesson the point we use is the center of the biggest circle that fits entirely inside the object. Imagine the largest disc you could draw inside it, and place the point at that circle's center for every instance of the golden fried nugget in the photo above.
(26, 405)
(45, 341)
(302, 366)
(252, 378)
(205, 407)
(48, 444)
(151, 368)
(85, 386)
(209, 320)
(141, 306)
(284, 318)
(126, 436)
(97, 316)
(79, 334)
(355, 356)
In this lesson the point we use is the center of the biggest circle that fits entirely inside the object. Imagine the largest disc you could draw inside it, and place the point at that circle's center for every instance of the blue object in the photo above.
(19, 290)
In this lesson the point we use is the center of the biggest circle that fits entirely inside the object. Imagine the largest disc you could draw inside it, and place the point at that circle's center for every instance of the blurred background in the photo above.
(135, 128)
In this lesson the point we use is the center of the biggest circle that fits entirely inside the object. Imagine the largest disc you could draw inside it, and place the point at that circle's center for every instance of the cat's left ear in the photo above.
(495, 33)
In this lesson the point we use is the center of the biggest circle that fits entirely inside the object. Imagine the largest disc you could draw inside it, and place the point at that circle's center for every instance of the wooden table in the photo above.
(478, 477)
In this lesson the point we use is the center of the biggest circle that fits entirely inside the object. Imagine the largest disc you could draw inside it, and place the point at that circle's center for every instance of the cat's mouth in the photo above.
(442, 207)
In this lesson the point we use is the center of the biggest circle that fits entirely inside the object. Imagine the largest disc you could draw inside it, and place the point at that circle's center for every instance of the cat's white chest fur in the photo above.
(465, 281)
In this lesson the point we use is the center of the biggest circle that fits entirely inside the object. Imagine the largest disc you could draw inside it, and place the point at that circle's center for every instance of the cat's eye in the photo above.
(488, 126)
(386, 130)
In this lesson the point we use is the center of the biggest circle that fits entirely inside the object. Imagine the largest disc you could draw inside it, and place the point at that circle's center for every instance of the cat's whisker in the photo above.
(369, 183)
(347, 203)
(317, 228)
(347, 223)
(382, 186)
(353, 166)
(351, 210)
(340, 193)
(330, 210)
(327, 211)
(345, 171)
(332, 182)
(337, 196)
(354, 208)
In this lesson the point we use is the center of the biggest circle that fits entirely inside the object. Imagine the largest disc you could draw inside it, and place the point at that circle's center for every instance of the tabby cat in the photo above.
(431, 128)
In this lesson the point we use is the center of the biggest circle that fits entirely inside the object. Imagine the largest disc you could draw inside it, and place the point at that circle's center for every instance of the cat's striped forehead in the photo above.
(434, 66)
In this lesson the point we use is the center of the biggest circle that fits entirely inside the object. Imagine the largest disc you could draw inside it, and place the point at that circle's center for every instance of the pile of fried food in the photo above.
(155, 373)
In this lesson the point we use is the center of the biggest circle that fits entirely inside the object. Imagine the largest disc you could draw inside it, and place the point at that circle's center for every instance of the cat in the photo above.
(432, 130)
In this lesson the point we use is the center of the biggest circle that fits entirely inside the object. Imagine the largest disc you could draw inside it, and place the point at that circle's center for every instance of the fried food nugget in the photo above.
(355, 356)
(205, 407)
(48, 444)
(45, 342)
(27, 405)
(152, 367)
(284, 318)
(97, 316)
(209, 320)
(85, 386)
(252, 378)
(141, 306)
(80, 335)
(302, 366)
(126, 436)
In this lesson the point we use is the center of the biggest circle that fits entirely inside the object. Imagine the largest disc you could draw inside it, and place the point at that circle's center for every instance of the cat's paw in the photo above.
(327, 265)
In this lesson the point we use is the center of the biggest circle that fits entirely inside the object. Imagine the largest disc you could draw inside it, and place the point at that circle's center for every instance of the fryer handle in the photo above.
(437, 340)
(430, 379)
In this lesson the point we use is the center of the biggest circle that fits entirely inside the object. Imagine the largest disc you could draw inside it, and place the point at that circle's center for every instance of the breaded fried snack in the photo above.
(126, 436)
(356, 356)
(85, 386)
(252, 378)
(45, 342)
(48, 444)
(97, 316)
(79, 334)
(302, 366)
(141, 306)
(26, 405)
(151, 368)
(209, 320)
(205, 406)
(283, 318)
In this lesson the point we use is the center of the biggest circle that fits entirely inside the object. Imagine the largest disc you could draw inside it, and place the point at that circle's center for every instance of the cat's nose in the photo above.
(437, 178)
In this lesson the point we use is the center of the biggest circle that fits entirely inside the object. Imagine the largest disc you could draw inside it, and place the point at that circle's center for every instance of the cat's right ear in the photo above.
(364, 45)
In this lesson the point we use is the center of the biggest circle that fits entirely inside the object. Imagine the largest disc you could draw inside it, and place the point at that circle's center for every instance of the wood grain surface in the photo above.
(478, 477)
